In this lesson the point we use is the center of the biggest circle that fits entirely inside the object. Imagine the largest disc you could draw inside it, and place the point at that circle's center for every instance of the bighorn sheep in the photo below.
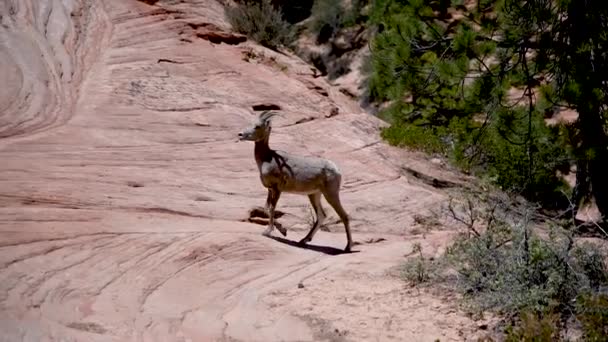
(284, 172)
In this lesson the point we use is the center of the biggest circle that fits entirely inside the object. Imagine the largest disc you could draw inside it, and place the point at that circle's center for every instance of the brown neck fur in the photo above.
(262, 151)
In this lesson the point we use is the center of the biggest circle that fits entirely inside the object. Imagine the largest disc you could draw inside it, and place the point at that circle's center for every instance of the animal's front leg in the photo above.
(270, 213)
(273, 195)
(267, 205)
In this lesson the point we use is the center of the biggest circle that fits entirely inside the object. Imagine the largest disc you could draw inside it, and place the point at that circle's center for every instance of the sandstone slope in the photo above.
(124, 196)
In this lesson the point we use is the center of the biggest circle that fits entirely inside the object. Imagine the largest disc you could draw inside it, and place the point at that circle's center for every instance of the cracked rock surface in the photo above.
(124, 196)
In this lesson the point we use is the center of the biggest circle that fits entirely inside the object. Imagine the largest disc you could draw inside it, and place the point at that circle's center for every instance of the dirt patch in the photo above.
(324, 331)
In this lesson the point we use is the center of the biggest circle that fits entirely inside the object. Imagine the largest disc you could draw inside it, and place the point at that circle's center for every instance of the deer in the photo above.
(282, 172)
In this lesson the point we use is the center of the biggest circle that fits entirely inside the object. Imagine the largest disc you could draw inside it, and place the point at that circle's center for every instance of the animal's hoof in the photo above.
(347, 249)
(303, 241)
(267, 233)
(283, 231)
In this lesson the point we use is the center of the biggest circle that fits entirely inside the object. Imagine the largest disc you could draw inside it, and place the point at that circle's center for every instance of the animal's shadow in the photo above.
(322, 249)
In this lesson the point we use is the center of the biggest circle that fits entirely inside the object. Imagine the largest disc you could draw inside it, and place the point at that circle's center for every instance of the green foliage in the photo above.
(419, 269)
(477, 84)
(418, 137)
(534, 327)
(525, 163)
(502, 265)
(262, 22)
(328, 16)
(454, 77)
(513, 270)
(494, 149)
(408, 57)
(593, 315)
(356, 13)
(507, 278)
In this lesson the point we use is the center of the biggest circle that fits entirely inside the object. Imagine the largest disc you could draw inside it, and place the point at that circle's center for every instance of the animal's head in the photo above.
(259, 129)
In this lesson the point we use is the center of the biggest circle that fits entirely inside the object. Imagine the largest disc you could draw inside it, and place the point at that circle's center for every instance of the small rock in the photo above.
(300, 285)
(483, 327)
(437, 161)
(333, 112)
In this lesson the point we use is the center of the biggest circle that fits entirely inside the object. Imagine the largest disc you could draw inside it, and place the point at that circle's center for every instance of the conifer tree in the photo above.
(475, 80)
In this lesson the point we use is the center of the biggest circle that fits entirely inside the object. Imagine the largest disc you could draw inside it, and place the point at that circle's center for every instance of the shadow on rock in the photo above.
(322, 249)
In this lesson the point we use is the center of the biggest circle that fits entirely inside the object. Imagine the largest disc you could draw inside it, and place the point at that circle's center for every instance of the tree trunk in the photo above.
(587, 62)
(581, 188)
(599, 182)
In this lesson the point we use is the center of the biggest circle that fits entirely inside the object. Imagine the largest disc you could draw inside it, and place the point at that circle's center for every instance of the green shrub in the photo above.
(262, 22)
(508, 159)
(526, 164)
(326, 19)
(421, 138)
(420, 269)
(593, 315)
(435, 71)
(503, 266)
(328, 16)
(534, 327)
(513, 271)
(356, 14)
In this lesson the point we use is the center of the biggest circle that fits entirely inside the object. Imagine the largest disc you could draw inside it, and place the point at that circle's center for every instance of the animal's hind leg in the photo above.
(315, 201)
(333, 198)
(321, 226)
(273, 198)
